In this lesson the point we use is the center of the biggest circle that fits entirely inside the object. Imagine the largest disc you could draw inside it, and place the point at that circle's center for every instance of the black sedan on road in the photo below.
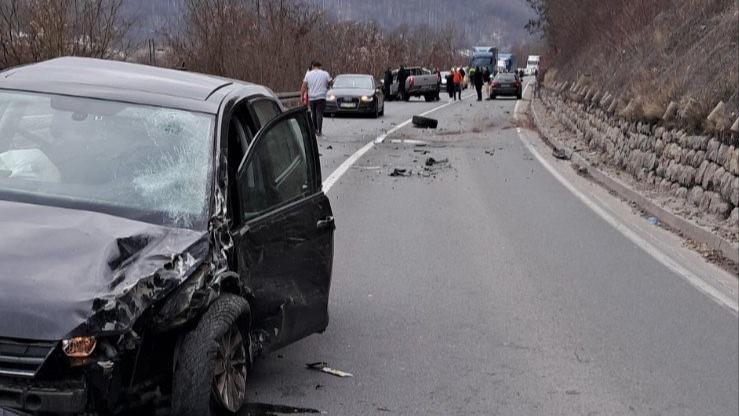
(506, 84)
(159, 230)
(355, 94)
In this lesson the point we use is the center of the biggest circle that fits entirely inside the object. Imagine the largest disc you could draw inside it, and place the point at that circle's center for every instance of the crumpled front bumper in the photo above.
(60, 397)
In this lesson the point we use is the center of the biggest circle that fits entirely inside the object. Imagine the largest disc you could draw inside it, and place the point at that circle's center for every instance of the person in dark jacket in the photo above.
(438, 82)
(479, 80)
(450, 83)
(402, 77)
(387, 82)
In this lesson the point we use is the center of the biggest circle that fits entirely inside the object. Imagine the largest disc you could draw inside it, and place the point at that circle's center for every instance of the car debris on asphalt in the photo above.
(430, 161)
(560, 153)
(324, 368)
(400, 172)
(425, 122)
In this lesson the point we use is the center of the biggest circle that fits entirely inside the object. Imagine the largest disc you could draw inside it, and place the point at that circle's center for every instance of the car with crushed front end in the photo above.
(160, 229)
(506, 84)
(355, 94)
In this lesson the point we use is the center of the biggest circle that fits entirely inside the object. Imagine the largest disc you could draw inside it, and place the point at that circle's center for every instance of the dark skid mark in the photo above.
(266, 409)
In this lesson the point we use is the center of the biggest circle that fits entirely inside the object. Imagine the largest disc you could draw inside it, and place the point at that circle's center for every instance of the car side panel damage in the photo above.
(134, 289)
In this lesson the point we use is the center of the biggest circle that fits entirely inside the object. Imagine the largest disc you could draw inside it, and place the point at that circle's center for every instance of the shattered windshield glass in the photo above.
(141, 162)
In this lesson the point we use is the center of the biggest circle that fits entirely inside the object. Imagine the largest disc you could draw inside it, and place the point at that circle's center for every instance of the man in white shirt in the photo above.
(316, 82)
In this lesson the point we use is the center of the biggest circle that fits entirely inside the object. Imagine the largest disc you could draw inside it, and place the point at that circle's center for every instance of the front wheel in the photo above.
(213, 361)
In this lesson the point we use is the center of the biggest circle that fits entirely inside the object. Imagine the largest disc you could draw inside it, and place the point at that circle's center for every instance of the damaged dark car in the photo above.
(160, 229)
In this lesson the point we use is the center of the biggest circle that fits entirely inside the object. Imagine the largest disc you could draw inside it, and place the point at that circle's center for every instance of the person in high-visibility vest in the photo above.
(457, 78)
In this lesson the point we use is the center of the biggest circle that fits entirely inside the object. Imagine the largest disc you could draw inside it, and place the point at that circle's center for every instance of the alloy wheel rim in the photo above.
(229, 377)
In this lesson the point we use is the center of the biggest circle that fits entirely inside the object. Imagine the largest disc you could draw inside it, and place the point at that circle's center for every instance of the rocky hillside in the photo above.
(648, 54)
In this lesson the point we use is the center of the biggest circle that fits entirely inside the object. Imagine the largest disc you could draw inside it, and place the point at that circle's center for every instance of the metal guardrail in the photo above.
(288, 95)
(289, 99)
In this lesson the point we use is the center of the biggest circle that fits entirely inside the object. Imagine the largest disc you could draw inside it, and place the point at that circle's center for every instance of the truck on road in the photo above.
(532, 65)
(421, 82)
(485, 57)
(506, 62)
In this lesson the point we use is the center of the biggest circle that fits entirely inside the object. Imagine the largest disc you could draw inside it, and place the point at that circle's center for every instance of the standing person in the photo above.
(402, 77)
(461, 71)
(438, 82)
(478, 79)
(450, 83)
(486, 80)
(387, 82)
(458, 83)
(316, 83)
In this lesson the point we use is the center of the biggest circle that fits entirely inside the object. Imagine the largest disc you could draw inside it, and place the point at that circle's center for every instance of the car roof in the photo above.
(128, 82)
(355, 75)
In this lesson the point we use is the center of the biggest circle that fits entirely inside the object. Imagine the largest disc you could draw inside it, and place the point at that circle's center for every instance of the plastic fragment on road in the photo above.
(324, 368)
(431, 161)
(400, 172)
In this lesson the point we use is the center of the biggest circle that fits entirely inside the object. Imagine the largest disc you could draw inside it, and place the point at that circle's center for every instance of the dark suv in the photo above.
(159, 230)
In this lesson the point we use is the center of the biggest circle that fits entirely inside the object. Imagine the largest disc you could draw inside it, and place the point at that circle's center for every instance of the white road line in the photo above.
(329, 182)
(649, 248)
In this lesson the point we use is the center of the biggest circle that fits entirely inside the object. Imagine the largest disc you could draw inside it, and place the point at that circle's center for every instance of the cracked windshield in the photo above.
(383, 207)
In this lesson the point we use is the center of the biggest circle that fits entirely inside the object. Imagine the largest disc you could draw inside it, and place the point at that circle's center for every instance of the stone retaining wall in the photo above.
(700, 171)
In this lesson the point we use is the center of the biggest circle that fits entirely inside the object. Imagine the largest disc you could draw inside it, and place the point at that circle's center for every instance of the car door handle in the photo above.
(327, 222)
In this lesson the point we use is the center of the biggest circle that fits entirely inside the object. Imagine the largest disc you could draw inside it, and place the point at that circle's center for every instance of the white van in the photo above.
(532, 66)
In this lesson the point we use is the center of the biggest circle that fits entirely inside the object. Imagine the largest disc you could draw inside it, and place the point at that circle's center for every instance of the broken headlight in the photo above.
(79, 347)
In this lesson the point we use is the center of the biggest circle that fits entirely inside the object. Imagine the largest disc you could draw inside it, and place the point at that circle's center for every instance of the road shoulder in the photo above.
(629, 218)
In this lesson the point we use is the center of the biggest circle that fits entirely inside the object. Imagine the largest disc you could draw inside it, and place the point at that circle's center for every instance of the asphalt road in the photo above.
(482, 286)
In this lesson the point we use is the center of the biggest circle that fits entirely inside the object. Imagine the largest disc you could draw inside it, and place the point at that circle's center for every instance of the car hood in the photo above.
(69, 272)
(351, 92)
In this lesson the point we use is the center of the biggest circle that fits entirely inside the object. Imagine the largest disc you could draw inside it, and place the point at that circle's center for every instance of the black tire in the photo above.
(428, 97)
(493, 96)
(406, 97)
(193, 382)
(425, 122)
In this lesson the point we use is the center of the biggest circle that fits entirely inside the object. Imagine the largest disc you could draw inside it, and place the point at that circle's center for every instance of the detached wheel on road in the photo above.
(425, 122)
(213, 361)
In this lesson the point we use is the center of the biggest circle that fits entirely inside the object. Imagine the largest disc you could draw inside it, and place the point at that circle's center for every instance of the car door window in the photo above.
(265, 110)
(278, 168)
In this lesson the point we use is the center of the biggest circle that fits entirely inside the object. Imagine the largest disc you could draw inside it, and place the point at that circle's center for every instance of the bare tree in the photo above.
(273, 42)
(34, 30)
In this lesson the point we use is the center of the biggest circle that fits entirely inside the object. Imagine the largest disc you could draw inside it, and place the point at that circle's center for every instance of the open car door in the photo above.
(285, 241)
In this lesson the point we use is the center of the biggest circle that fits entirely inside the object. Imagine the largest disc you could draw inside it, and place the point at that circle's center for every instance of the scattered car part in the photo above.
(324, 368)
(425, 122)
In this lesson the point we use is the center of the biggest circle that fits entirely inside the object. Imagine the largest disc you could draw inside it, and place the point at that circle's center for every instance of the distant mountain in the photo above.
(496, 22)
